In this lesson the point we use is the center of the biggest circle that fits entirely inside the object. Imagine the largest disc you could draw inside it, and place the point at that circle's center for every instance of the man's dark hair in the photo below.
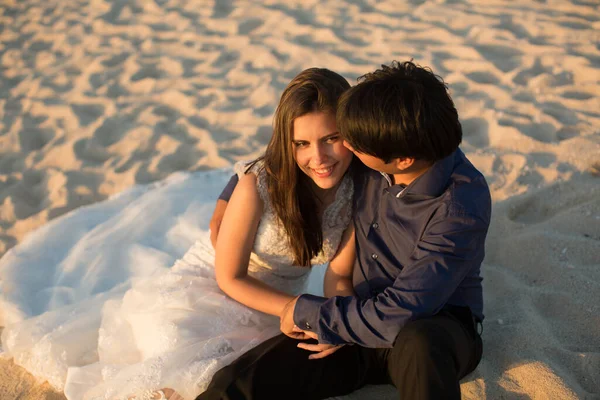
(401, 110)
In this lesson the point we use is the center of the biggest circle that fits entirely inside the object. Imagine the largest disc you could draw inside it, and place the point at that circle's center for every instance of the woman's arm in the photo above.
(338, 277)
(215, 222)
(217, 217)
(234, 245)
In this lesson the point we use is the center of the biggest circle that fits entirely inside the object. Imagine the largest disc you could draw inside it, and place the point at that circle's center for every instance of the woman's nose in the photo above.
(319, 154)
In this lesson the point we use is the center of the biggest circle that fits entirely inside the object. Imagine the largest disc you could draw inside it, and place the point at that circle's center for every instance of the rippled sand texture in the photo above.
(96, 96)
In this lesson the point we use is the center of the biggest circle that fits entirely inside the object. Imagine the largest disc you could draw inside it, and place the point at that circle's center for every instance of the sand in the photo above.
(96, 96)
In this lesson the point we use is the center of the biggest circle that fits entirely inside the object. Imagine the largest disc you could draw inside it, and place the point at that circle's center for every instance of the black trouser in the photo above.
(427, 361)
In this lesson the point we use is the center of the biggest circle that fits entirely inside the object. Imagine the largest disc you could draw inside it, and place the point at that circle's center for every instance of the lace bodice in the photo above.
(272, 259)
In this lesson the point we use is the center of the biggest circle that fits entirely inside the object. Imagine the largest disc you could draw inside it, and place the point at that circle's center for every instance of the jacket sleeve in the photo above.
(450, 248)
(228, 190)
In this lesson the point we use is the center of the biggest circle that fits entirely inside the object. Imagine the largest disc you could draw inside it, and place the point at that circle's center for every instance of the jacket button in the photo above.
(375, 225)
(307, 326)
(374, 256)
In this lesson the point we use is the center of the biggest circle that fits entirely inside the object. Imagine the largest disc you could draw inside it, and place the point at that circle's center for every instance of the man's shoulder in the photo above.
(468, 192)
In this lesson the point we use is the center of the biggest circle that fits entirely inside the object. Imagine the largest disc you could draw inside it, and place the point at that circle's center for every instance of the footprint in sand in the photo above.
(541, 131)
(568, 132)
(517, 29)
(546, 265)
(25, 197)
(222, 8)
(8, 84)
(483, 77)
(58, 83)
(561, 113)
(352, 57)
(175, 130)
(184, 158)
(32, 137)
(546, 203)
(263, 111)
(594, 169)
(116, 60)
(530, 178)
(89, 151)
(539, 75)
(11, 162)
(263, 134)
(147, 71)
(249, 25)
(88, 113)
(438, 60)
(171, 114)
(542, 159)
(570, 326)
(6, 243)
(577, 95)
(100, 79)
(507, 169)
(504, 58)
(576, 25)
(113, 129)
(223, 136)
(476, 132)
(72, 190)
(227, 59)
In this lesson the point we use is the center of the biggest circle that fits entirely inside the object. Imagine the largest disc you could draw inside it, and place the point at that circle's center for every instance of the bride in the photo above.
(291, 209)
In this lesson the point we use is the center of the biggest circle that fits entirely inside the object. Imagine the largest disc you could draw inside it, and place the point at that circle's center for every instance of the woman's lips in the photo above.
(323, 172)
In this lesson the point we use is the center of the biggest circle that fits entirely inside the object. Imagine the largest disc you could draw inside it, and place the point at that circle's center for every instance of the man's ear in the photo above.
(404, 163)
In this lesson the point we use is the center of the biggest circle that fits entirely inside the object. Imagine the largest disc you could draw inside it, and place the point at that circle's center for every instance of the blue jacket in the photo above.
(419, 248)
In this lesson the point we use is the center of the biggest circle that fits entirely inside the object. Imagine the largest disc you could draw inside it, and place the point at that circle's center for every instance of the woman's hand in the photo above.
(321, 350)
(286, 322)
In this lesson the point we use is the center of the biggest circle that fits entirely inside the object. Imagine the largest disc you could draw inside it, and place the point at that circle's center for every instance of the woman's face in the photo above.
(319, 149)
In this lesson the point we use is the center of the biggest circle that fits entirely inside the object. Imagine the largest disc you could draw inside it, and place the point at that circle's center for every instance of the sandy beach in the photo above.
(98, 96)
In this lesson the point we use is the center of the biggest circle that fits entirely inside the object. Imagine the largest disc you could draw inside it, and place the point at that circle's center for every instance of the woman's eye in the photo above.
(300, 144)
(332, 139)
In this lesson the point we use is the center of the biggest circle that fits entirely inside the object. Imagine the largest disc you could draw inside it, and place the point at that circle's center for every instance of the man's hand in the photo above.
(288, 327)
(286, 322)
(215, 221)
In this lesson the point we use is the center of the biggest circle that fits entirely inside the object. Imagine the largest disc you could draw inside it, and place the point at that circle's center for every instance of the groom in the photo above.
(421, 215)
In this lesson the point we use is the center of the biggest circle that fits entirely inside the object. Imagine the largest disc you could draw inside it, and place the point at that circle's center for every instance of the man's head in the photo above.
(399, 112)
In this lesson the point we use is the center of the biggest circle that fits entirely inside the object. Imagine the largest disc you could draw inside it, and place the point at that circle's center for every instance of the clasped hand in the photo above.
(321, 350)
(288, 327)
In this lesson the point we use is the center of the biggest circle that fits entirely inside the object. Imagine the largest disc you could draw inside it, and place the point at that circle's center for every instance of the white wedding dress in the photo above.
(166, 327)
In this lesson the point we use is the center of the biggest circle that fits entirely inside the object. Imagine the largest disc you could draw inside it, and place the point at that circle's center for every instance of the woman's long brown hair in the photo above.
(313, 90)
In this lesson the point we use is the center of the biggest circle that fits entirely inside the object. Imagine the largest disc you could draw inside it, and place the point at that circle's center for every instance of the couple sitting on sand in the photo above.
(369, 179)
